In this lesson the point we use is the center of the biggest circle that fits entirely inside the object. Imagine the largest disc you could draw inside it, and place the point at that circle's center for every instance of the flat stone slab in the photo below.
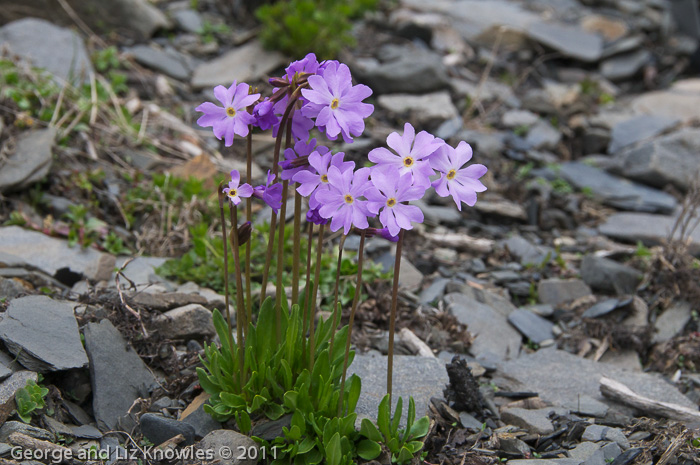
(43, 334)
(9, 388)
(420, 377)
(647, 228)
(243, 64)
(531, 325)
(30, 162)
(560, 378)
(117, 373)
(30, 249)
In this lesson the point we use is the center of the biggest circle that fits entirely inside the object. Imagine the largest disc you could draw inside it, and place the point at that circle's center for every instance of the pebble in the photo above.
(427, 109)
(533, 421)
(625, 66)
(607, 275)
(556, 291)
(188, 20)
(533, 327)
(606, 433)
(190, 321)
(31, 160)
(159, 429)
(543, 136)
(672, 321)
(226, 439)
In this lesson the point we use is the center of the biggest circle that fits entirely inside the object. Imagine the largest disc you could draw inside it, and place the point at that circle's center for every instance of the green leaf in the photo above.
(232, 400)
(334, 454)
(354, 392)
(306, 446)
(405, 456)
(397, 417)
(368, 430)
(420, 428)
(206, 383)
(410, 418)
(368, 450)
(383, 417)
(243, 421)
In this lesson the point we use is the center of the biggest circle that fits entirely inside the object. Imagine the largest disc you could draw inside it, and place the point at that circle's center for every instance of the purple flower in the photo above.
(412, 152)
(461, 183)
(270, 193)
(313, 216)
(313, 184)
(341, 202)
(335, 103)
(236, 192)
(294, 158)
(264, 115)
(383, 232)
(232, 118)
(301, 125)
(308, 64)
(387, 195)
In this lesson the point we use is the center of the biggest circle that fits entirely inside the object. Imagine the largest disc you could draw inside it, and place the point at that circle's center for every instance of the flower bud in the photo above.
(244, 232)
(313, 216)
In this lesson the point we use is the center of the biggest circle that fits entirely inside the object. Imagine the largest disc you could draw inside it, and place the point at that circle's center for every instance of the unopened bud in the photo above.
(244, 232)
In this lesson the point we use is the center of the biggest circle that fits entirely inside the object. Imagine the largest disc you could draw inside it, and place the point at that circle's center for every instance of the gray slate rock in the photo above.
(169, 64)
(545, 462)
(60, 51)
(625, 66)
(246, 63)
(427, 109)
(186, 322)
(669, 159)
(588, 406)
(607, 275)
(159, 429)
(141, 270)
(605, 433)
(117, 373)
(532, 326)
(617, 192)
(43, 334)
(434, 291)
(637, 129)
(372, 370)
(672, 321)
(19, 427)
(681, 101)
(519, 118)
(556, 292)
(647, 228)
(570, 41)
(533, 421)
(494, 337)
(409, 276)
(541, 372)
(217, 440)
(202, 422)
(604, 307)
(9, 388)
(11, 288)
(23, 248)
(543, 136)
(30, 162)
(402, 68)
(188, 20)
(528, 253)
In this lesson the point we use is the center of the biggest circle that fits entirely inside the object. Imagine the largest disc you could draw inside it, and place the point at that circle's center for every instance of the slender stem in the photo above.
(226, 295)
(334, 309)
(297, 247)
(307, 289)
(355, 300)
(392, 320)
(240, 305)
(312, 303)
(279, 288)
(248, 217)
(268, 256)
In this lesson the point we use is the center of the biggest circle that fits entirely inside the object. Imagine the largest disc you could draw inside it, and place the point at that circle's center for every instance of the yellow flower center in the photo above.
(324, 178)
(390, 202)
(334, 103)
(348, 199)
(231, 111)
(232, 193)
(408, 162)
(451, 174)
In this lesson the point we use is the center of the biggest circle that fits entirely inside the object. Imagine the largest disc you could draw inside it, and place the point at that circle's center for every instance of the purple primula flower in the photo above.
(294, 158)
(301, 125)
(264, 115)
(236, 191)
(412, 152)
(341, 202)
(232, 118)
(383, 232)
(308, 64)
(313, 216)
(270, 193)
(335, 103)
(387, 195)
(461, 183)
(312, 184)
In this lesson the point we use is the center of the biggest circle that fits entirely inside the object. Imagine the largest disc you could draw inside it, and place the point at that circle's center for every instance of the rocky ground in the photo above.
(570, 291)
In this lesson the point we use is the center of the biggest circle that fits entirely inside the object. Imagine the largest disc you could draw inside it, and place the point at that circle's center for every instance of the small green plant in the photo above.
(115, 245)
(298, 27)
(29, 400)
(106, 59)
(642, 251)
(404, 443)
(522, 130)
(210, 31)
(84, 229)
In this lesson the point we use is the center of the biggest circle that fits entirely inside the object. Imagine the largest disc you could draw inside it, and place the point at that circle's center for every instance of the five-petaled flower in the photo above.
(342, 202)
(296, 159)
(461, 183)
(232, 118)
(314, 184)
(412, 152)
(236, 191)
(270, 193)
(335, 103)
(387, 196)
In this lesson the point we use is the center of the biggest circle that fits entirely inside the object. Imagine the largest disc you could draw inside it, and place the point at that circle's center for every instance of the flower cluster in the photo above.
(322, 95)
